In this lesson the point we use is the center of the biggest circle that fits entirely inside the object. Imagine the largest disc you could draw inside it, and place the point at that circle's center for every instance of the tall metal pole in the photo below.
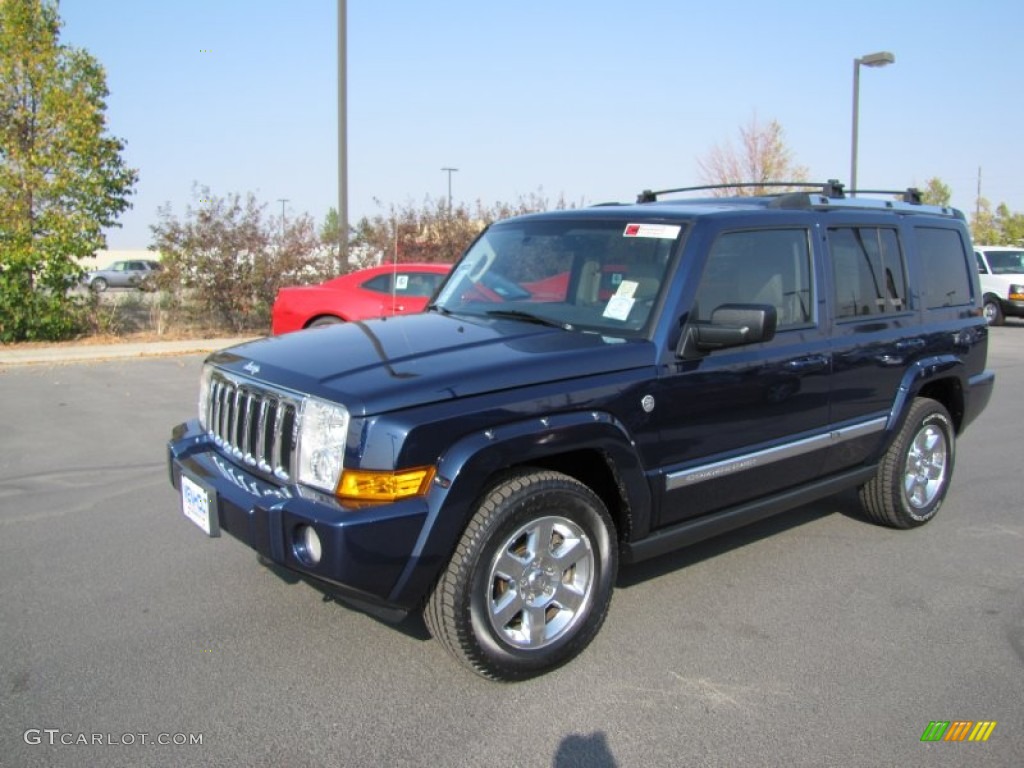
(880, 59)
(856, 116)
(342, 135)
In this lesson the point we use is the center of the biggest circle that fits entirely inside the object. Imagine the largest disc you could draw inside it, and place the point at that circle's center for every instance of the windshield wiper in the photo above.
(518, 314)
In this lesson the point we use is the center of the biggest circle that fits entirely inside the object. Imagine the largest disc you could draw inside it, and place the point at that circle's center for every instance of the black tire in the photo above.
(540, 546)
(99, 285)
(993, 311)
(914, 474)
(324, 321)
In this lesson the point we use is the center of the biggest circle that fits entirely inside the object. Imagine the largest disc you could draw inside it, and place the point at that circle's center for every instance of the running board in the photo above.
(692, 531)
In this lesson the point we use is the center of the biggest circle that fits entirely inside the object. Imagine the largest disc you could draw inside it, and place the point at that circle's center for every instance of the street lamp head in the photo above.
(880, 59)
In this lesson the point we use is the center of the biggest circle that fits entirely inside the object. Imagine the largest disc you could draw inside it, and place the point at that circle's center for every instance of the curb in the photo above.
(61, 355)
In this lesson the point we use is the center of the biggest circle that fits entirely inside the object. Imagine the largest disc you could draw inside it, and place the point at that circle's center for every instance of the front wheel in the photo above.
(530, 582)
(993, 312)
(914, 474)
(99, 285)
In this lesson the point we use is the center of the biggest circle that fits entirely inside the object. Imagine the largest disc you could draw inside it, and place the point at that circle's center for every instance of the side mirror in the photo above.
(732, 325)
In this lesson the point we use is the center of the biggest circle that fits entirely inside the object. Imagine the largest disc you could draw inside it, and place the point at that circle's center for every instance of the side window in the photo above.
(378, 284)
(771, 266)
(420, 284)
(982, 269)
(944, 267)
(869, 272)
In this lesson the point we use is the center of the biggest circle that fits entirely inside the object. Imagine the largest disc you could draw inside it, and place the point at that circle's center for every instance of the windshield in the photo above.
(591, 275)
(1006, 262)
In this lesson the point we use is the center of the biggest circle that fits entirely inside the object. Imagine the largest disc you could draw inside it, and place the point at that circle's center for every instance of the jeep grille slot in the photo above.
(252, 424)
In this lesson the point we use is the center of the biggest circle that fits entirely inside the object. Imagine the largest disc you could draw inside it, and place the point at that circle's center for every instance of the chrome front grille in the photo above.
(256, 426)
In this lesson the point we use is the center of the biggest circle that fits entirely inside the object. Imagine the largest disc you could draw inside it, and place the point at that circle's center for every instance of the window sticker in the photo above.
(627, 289)
(657, 231)
(401, 282)
(619, 307)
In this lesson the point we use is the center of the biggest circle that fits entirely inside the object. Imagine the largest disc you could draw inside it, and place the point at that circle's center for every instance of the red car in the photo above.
(391, 289)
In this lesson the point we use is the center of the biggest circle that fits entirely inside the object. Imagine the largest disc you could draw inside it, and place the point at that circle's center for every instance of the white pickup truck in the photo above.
(1001, 269)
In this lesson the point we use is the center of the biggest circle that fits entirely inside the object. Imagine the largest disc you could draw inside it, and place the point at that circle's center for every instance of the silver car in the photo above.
(122, 274)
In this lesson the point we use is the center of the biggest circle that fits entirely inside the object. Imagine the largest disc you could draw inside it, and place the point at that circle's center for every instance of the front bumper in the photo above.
(365, 551)
(1012, 307)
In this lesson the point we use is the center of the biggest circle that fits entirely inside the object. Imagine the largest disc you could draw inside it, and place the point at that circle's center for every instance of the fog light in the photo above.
(307, 545)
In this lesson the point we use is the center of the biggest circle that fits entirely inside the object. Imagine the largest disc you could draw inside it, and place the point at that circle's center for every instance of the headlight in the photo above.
(1017, 292)
(204, 396)
(323, 428)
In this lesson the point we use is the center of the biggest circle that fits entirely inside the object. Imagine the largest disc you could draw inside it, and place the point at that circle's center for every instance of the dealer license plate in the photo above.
(197, 506)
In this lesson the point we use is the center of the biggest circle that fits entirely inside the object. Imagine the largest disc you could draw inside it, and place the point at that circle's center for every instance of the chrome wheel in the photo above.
(925, 471)
(531, 579)
(913, 475)
(993, 312)
(540, 582)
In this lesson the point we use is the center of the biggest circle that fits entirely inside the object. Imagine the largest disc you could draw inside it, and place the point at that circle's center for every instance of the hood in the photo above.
(382, 365)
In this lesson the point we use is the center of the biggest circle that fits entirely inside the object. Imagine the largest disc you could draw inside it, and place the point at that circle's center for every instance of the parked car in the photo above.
(123, 274)
(593, 386)
(1001, 269)
(382, 291)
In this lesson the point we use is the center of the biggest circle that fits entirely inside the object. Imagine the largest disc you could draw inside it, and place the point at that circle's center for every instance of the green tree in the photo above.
(762, 156)
(984, 228)
(1011, 225)
(936, 193)
(62, 178)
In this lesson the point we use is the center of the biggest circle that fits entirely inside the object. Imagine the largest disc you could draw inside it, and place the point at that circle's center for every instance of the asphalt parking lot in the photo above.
(814, 639)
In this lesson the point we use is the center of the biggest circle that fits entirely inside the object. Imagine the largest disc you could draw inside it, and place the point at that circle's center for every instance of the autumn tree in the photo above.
(227, 258)
(762, 156)
(435, 231)
(62, 178)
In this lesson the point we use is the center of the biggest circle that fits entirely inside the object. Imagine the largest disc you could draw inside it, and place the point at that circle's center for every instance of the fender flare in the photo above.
(465, 469)
(915, 378)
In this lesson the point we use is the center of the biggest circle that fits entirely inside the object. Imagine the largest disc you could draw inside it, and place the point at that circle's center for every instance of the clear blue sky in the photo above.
(592, 99)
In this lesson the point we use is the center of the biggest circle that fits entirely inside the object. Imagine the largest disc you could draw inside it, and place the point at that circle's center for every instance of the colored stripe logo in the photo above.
(958, 730)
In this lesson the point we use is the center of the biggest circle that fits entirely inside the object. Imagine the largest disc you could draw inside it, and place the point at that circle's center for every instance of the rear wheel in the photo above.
(914, 475)
(530, 582)
(322, 322)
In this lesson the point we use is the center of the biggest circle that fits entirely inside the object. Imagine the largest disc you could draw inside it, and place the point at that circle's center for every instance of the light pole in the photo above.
(449, 171)
(282, 201)
(342, 133)
(880, 59)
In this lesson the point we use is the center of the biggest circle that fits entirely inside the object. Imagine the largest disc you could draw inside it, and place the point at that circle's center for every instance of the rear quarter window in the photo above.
(945, 267)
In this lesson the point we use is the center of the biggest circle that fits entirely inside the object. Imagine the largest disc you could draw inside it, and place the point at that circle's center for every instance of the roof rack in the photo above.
(910, 195)
(831, 188)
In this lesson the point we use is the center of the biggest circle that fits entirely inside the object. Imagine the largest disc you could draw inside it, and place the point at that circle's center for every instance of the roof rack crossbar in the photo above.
(830, 188)
(910, 195)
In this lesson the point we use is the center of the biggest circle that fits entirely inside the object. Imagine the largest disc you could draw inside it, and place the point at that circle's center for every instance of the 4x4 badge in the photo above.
(251, 367)
(647, 403)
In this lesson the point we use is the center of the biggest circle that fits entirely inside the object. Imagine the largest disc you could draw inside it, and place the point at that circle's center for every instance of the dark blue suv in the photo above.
(595, 386)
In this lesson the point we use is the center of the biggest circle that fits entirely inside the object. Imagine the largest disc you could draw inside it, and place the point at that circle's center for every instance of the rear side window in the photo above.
(945, 267)
(869, 271)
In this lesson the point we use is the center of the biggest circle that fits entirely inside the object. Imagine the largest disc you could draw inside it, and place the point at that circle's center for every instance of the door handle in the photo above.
(910, 345)
(807, 364)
